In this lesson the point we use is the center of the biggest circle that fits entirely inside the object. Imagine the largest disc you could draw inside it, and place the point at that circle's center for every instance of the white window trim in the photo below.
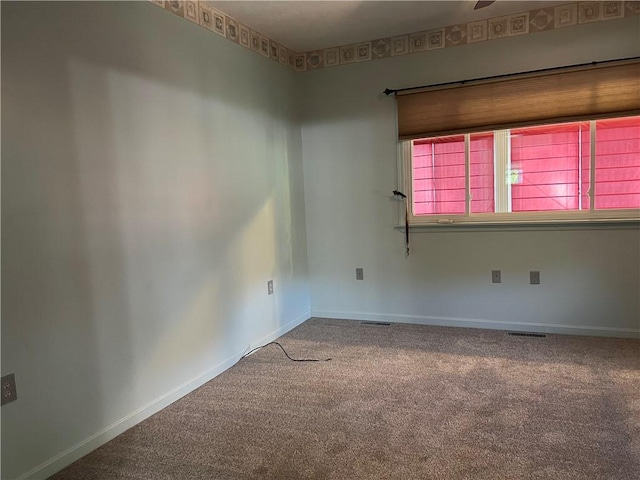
(610, 218)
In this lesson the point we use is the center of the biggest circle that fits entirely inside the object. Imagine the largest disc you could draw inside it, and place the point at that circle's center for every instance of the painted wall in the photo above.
(151, 185)
(153, 182)
(590, 278)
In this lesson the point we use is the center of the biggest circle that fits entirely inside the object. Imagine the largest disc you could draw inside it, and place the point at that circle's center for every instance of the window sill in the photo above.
(526, 225)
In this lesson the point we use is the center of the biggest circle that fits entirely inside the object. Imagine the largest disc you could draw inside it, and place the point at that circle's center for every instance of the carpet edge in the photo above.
(480, 323)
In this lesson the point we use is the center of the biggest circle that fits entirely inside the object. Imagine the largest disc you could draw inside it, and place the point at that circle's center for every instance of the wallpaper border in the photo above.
(525, 23)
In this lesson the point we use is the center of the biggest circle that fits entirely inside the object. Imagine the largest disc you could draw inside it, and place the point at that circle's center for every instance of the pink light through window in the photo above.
(618, 163)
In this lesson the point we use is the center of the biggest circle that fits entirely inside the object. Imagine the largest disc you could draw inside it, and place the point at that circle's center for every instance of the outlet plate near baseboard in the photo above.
(9, 391)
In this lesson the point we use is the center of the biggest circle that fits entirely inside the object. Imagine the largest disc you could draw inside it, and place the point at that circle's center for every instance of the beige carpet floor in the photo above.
(397, 402)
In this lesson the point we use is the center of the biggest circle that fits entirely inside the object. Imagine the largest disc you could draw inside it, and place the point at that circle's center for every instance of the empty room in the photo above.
(320, 240)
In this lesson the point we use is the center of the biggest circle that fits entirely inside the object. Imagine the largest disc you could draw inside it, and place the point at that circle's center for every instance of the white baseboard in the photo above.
(101, 437)
(481, 323)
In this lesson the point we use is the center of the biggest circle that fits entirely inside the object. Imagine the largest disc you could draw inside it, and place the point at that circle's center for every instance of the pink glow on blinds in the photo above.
(439, 176)
(482, 189)
(546, 164)
(618, 163)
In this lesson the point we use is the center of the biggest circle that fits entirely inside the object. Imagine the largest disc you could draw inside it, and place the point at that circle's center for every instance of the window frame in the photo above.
(591, 216)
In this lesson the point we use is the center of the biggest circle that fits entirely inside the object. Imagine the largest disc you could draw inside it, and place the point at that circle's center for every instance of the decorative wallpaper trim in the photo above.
(228, 27)
(533, 21)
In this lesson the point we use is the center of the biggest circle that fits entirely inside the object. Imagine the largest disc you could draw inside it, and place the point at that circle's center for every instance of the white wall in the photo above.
(590, 278)
(153, 181)
(152, 184)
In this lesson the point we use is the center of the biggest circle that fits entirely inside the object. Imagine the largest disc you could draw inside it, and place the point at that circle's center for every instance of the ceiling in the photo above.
(304, 26)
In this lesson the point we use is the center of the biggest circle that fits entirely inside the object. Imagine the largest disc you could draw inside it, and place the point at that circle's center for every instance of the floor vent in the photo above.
(527, 334)
(376, 324)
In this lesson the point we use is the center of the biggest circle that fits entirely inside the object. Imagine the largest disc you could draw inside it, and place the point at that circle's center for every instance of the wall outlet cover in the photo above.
(9, 392)
(359, 274)
(534, 277)
(496, 276)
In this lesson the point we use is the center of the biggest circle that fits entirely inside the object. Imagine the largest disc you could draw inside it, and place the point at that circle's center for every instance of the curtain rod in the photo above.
(389, 91)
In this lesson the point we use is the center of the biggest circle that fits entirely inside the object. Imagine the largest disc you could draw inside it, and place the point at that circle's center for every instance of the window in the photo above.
(439, 176)
(617, 179)
(579, 171)
(549, 165)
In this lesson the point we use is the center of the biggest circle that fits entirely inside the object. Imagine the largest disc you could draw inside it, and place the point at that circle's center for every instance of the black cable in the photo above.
(285, 352)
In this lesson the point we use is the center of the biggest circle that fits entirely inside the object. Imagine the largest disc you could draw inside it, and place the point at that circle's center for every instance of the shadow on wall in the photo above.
(150, 188)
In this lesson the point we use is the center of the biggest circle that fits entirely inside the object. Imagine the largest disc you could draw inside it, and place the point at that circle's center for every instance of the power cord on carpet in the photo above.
(285, 352)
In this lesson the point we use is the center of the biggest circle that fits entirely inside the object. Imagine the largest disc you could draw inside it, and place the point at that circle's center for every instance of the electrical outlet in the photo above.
(496, 276)
(534, 277)
(9, 392)
(359, 274)
(270, 287)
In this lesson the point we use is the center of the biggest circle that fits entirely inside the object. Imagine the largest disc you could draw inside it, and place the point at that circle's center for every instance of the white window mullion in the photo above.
(501, 166)
(467, 173)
